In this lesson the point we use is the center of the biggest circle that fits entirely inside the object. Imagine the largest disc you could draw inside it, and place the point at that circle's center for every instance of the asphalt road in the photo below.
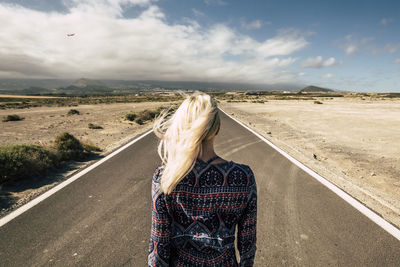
(103, 218)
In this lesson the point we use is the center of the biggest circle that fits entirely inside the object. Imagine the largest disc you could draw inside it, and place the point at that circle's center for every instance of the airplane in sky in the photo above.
(70, 34)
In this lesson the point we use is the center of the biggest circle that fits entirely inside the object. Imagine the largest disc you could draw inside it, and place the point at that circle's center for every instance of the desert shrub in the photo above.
(130, 116)
(12, 118)
(147, 115)
(94, 126)
(73, 112)
(68, 147)
(317, 102)
(91, 148)
(24, 161)
(139, 121)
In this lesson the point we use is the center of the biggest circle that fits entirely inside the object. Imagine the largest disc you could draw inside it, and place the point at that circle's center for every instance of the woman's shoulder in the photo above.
(246, 168)
(231, 167)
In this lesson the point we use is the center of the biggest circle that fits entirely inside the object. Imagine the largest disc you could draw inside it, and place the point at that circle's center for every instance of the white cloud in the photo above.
(396, 61)
(107, 45)
(348, 37)
(350, 49)
(367, 40)
(392, 48)
(318, 62)
(285, 43)
(255, 24)
(106, 7)
(352, 45)
(385, 21)
(197, 12)
(327, 76)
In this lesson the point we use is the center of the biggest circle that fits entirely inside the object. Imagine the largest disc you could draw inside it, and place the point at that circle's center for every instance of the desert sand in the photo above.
(42, 124)
(355, 142)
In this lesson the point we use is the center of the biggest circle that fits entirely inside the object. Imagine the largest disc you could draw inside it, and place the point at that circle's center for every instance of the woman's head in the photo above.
(181, 136)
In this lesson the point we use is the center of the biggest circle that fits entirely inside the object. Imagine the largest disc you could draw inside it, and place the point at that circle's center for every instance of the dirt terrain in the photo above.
(351, 142)
(25, 96)
(42, 124)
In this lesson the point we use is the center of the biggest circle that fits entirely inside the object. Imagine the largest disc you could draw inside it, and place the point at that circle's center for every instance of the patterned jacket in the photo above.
(195, 224)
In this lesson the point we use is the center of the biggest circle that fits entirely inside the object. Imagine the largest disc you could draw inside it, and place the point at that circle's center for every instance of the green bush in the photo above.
(73, 112)
(143, 116)
(139, 121)
(68, 147)
(12, 118)
(94, 126)
(24, 161)
(130, 116)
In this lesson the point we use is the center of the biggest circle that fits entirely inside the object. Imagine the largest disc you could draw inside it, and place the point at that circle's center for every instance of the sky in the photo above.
(344, 45)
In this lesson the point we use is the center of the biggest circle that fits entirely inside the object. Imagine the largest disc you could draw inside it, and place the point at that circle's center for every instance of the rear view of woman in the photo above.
(199, 198)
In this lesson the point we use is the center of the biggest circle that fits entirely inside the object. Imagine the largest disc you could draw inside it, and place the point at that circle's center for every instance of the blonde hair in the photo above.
(196, 120)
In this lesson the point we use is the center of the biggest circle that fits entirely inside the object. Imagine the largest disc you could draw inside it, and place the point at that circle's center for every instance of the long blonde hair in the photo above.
(196, 120)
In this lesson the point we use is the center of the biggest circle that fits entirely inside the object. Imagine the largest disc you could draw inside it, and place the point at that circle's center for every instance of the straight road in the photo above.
(103, 218)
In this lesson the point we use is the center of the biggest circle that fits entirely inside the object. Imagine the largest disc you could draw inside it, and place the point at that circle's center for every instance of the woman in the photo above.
(198, 197)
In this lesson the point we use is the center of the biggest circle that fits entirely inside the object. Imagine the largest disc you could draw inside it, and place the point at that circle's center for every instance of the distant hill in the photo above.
(85, 86)
(83, 82)
(16, 85)
(313, 89)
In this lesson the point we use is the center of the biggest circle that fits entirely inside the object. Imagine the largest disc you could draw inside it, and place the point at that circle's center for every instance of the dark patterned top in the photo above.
(195, 224)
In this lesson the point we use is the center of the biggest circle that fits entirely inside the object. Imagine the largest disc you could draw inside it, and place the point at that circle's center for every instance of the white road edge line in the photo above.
(346, 197)
(58, 187)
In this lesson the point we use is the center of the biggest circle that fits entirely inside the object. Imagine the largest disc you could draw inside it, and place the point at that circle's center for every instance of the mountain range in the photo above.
(91, 86)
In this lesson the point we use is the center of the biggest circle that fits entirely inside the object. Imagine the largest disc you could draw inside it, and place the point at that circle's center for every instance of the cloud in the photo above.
(367, 40)
(197, 12)
(327, 76)
(350, 49)
(318, 62)
(215, 2)
(16, 64)
(255, 24)
(396, 61)
(285, 43)
(385, 21)
(392, 48)
(107, 45)
(351, 45)
(106, 7)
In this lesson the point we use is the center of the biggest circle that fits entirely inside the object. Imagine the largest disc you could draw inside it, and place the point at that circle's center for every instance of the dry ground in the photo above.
(42, 124)
(356, 142)
(25, 96)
